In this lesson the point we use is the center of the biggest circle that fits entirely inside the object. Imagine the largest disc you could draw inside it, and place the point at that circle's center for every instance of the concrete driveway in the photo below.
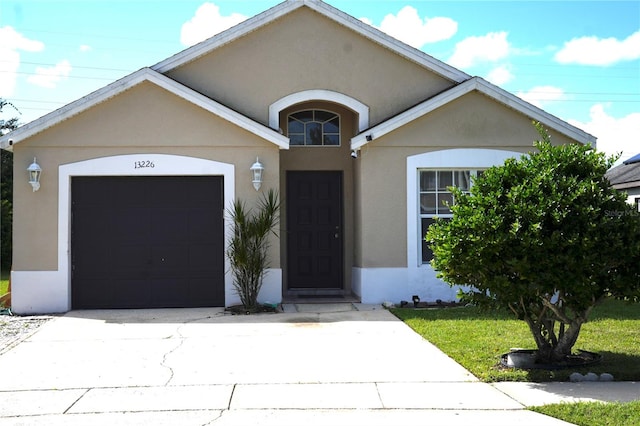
(312, 365)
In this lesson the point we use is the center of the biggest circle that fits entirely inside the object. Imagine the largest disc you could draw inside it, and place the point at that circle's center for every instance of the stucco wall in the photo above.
(284, 58)
(145, 119)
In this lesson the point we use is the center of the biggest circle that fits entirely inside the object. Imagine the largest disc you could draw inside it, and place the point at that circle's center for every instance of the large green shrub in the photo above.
(544, 236)
(249, 246)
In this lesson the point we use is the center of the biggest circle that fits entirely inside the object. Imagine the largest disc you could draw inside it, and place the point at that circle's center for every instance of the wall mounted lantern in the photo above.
(34, 171)
(256, 172)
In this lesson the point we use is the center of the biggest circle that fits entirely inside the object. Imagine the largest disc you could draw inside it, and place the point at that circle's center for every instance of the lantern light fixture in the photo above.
(35, 171)
(257, 170)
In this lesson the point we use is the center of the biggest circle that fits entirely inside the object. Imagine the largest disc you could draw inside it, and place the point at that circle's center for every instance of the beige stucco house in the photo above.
(360, 134)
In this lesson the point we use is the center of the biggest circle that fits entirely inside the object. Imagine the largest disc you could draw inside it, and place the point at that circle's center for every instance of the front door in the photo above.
(314, 233)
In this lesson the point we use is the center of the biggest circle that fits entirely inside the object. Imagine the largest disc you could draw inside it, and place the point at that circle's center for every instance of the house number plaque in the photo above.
(143, 164)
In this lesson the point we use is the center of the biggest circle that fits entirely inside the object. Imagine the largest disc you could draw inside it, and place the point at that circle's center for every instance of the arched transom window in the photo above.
(314, 128)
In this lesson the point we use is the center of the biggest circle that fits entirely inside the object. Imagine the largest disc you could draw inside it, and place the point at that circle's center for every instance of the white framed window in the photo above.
(314, 128)
(435, 198)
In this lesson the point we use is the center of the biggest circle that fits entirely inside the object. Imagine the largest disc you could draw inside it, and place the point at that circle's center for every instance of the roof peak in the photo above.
(286, 7)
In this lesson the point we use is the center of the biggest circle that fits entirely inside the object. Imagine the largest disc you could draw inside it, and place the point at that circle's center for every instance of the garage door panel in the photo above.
(94, 293)
(128, 224)
(129, 258)
(201, 259)
(201, 224)
(147, 242)
(169, 224)
(168, 258)
(201, 289)
(128, 293)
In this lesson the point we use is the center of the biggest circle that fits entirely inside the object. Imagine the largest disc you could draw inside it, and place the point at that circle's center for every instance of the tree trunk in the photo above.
(548, 351)
(567, 340)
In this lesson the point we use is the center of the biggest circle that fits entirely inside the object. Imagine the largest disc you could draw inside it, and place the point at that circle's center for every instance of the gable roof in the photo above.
(338, 16)
(626, 175)
(473, 84)
(126, 83)
(634, 159)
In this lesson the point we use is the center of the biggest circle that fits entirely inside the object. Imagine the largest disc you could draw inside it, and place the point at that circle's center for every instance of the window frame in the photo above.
(437, 190)
(321, 123)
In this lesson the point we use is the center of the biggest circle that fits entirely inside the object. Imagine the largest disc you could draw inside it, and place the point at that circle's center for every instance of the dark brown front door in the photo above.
(314, 232)
(147, 242)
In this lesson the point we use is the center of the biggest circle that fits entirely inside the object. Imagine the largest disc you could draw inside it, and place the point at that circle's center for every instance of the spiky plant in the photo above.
(249, 246)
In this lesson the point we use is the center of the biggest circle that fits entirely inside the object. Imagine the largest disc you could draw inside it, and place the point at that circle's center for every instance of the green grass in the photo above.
(476, 340)
(4, 283)
(594, 413)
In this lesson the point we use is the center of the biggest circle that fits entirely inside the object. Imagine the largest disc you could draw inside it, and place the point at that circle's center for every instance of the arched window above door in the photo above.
(313, 128)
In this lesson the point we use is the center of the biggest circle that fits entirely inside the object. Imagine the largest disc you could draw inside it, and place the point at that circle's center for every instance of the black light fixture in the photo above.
(416, 300)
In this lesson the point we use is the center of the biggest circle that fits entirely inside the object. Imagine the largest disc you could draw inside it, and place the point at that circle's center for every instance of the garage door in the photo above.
(147, 242)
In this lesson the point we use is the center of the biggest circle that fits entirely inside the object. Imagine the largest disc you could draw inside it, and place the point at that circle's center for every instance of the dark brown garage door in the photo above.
(147, 242)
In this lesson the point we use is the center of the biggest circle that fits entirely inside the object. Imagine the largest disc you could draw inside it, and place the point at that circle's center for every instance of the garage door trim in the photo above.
(125, 165)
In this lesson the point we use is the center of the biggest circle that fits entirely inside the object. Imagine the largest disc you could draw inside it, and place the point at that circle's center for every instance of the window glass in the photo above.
(445, 180)
(323, 116)
(332, 126)
(296, 139)
(295, 126)
(314, 128)
(428, 181)
(314, 133)
(303, 116)
(463, 179)
(427, 203)
(332, 140)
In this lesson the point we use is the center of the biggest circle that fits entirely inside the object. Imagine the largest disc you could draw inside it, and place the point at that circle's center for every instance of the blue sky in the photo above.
(578, 60)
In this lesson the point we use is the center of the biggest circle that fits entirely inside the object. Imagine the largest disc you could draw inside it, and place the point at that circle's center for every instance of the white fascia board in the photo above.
(326, 10)
(487, 89)
(132, 80)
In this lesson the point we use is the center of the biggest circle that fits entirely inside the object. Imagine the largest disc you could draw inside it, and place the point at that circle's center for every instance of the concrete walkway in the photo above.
(312, 365)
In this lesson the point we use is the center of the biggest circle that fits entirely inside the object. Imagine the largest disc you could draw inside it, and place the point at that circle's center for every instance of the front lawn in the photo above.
(594, 413)
(476, 340)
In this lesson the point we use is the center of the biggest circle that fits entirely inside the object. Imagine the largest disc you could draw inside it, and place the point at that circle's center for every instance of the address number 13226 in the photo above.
(143, 164)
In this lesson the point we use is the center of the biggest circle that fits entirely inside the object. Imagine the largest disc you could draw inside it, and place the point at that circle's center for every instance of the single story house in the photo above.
(359, 133)
(626, 177)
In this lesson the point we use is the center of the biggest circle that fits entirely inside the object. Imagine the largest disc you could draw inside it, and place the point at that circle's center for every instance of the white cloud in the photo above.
(85, 48)
(478, 49)
(599, 51)
(500, 75)
(408, 27)
(614, 135)
(207, 22)
(11, 43)
(50, 76)
(539, 95)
